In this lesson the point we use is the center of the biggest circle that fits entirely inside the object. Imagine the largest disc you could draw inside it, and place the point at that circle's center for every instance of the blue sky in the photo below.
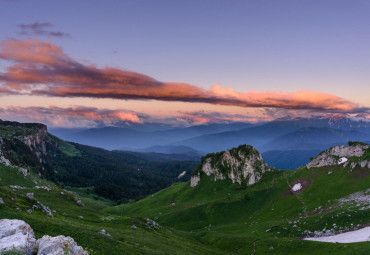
(285, 46)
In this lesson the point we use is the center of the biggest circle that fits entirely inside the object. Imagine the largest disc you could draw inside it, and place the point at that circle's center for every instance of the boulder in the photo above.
(48, 245)
(16, 235)
(29, 196)
(24, 171)
(1, 201)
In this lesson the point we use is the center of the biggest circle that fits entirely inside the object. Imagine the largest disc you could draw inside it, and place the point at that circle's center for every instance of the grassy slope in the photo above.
(265, 216)
(123, 240)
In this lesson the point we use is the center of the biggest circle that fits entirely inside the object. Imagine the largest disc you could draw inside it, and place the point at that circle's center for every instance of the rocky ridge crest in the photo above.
(355, 154)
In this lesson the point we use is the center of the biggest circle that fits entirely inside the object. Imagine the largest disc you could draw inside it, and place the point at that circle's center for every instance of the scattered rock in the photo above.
(29, 211)
(4, 160)
(152, 224)
(16, 235)
(79, 202)
(103, 232)
(133, 227)
(43, 187)
(48, 245)
(16, 187)
(44, 209)
(1, 201)
(24, 171)
(29, 196)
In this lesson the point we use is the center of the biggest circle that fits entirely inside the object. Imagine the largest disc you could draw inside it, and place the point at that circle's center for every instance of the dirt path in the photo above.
(298, 197)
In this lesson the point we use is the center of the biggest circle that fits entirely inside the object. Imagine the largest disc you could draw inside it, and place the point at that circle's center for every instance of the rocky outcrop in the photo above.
(356, 154)
(3, 160)
(194, 180)
(36, 142)
(48, 245)
(16, 235)
(242, 164)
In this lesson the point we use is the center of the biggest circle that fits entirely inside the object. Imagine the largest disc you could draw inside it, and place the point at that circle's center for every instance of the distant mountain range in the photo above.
(304, 136)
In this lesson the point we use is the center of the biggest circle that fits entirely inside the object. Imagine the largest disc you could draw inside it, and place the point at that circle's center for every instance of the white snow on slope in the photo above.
(342, 160)
(360, 235)
(181, 175)
(297, 187)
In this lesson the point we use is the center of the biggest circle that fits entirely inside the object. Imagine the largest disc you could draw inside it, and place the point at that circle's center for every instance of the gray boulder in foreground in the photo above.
(16, 235)
(48, 245)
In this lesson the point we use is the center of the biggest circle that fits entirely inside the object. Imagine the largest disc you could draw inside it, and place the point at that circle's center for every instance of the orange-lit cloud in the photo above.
(70, 117)
(205, 117)
(42, 68)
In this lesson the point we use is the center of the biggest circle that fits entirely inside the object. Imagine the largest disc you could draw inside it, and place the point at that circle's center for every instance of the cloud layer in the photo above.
(42, 68)
(78, 116)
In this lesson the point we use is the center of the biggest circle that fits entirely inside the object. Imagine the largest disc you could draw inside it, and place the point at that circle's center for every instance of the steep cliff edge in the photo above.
(355, 154)
(243, 164)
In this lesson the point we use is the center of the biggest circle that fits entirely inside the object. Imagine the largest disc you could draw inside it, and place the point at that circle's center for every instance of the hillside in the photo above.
(270, 216)
(113, 174)
(52, 210)
(239, 204)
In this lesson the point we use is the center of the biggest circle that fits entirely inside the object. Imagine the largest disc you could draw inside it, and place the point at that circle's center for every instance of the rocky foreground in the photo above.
(18, 237)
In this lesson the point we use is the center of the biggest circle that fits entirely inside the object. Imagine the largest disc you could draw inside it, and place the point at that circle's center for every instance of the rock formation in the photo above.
(356, 154)
(242, 164)
(18, 237)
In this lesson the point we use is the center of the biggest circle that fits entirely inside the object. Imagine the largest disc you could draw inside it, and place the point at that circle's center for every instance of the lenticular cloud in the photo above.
(42, 68)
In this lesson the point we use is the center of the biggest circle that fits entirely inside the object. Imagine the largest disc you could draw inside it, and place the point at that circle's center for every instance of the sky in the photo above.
(89, 63)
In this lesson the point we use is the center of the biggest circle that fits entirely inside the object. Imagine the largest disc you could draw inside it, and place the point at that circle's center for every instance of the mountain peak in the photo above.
(355, 154)
(243, 164)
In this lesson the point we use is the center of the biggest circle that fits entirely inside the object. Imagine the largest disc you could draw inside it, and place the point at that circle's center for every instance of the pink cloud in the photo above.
(77, 116)
(36, 62)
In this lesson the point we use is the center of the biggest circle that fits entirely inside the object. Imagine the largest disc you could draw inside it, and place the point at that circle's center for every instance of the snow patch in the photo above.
(181, 175)
(360, 235)
(342, 160)
(297, 187)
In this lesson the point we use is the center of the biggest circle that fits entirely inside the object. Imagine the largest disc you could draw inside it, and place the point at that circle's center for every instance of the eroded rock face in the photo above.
(48, 245)
(3, 160)
(16, 235)
(240, 164)
(194, 180)
(340, 155)
(36, 142)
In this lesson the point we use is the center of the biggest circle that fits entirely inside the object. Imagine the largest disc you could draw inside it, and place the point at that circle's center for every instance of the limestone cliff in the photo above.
(242, 164)
(355, 154)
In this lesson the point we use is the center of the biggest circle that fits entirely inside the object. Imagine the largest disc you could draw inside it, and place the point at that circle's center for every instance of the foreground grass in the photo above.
(212, 218)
